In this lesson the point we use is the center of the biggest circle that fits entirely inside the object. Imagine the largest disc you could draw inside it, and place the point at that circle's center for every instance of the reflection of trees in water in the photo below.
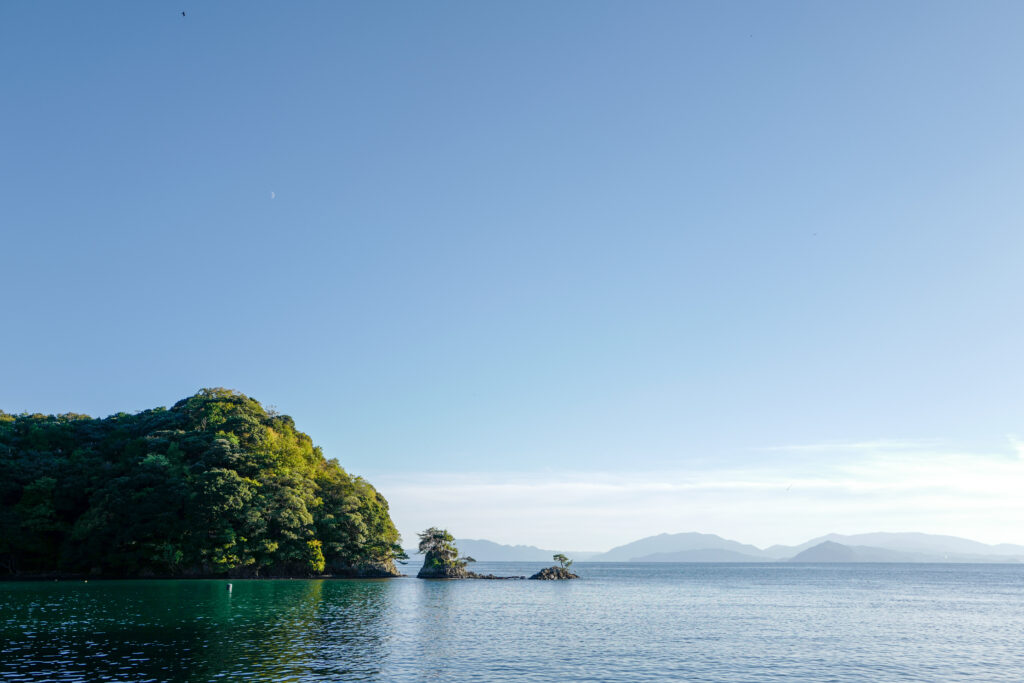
(265, 633)
(66, 631)
(350, 637)
(196, 630)
(138, 629)
(332, 629)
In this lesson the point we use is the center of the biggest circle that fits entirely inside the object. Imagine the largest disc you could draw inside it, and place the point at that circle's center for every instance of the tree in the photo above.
(315, 558)
(562, 560)
(439, 547)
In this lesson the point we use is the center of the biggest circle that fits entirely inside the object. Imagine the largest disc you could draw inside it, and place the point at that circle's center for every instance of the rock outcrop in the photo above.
(380, 570)
(434, 567)
(554, 574)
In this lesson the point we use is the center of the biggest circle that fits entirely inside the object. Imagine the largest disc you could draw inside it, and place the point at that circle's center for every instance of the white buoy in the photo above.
(229, 588)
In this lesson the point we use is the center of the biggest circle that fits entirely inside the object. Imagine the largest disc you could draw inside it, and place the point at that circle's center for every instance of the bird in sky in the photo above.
(182, 14)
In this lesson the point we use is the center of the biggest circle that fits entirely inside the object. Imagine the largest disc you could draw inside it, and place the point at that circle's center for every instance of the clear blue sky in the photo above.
(524, 237)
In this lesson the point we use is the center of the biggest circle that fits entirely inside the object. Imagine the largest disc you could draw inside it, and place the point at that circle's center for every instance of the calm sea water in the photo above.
(695, 622)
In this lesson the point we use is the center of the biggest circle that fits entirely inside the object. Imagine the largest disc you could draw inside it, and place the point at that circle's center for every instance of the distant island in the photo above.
(697, 547)
(217, 485)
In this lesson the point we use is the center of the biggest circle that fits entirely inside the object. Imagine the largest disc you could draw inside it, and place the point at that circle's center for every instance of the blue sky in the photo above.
(536, 243)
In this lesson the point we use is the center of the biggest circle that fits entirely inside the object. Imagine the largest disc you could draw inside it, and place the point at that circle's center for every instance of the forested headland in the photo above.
(214, 486)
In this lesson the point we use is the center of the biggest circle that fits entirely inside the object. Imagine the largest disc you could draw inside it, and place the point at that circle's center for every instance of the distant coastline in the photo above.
(709, 548)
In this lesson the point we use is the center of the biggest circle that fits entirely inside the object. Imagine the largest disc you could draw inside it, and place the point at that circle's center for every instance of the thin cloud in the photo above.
(1017, 445)
(857, 446)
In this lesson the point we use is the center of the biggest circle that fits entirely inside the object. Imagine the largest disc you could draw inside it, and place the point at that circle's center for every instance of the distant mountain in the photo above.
(488, 551)
(830, 551)
(938, 548)
(703, 555)
(670, 544)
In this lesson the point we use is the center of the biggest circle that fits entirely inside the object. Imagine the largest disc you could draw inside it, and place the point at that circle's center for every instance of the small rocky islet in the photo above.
(554, 574)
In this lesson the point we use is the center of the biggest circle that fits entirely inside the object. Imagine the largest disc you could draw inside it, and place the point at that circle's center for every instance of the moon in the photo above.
(273, 194)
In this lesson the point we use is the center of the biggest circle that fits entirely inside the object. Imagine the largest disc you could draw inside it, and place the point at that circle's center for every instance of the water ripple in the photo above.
(620, 623)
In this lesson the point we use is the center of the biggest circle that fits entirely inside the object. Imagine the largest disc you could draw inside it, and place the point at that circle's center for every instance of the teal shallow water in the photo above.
(696, 622)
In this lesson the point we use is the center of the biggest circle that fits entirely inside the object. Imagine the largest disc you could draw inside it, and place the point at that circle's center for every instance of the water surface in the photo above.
(699, 622)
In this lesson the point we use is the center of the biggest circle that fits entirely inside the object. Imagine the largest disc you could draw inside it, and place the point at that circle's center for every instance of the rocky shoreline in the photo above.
(376, 570)
(547, 574)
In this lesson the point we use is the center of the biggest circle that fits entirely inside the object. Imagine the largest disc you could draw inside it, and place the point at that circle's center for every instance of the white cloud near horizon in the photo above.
(857, 446)
(875, 486)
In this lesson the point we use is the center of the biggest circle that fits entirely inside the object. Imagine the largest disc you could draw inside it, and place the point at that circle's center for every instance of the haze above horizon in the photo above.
(544, 274)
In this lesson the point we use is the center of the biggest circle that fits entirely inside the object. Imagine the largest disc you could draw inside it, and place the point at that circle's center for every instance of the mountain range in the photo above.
(697, 547)
(925, 544)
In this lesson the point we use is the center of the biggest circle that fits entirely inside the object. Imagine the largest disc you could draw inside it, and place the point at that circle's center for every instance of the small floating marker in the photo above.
(229, 588)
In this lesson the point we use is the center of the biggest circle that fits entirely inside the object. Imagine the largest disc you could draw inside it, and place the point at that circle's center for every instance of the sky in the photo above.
(562, 274)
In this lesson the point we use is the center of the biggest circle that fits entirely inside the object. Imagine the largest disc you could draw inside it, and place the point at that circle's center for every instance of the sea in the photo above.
(618, 622)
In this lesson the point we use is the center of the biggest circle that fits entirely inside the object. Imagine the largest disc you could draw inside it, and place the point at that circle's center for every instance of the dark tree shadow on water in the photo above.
(194, 630)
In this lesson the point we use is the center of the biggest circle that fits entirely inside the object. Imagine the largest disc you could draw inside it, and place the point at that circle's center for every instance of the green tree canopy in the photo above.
(214, 485)
(438, 544)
